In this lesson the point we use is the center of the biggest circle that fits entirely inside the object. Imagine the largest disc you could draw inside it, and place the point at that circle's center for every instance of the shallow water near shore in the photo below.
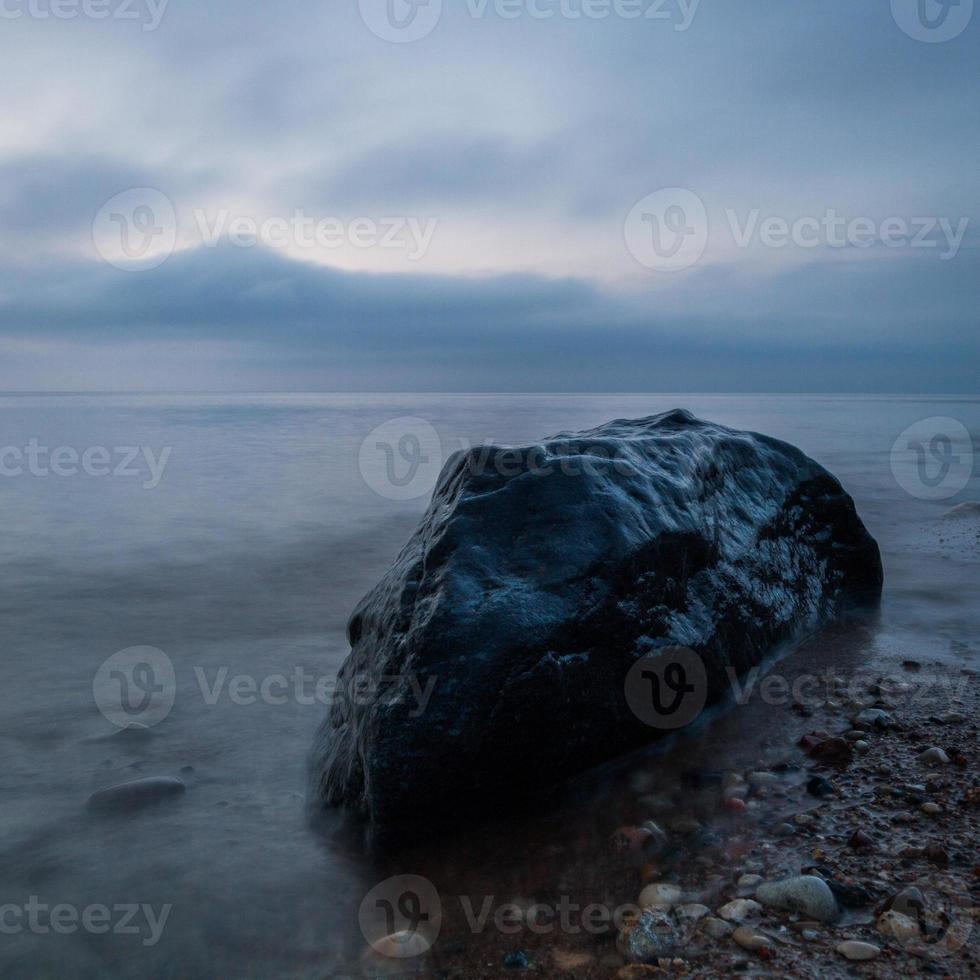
(244, 561)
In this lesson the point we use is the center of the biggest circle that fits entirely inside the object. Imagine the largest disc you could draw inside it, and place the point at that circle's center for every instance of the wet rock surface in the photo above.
(807, 895)
(540, 575)
(135, 794)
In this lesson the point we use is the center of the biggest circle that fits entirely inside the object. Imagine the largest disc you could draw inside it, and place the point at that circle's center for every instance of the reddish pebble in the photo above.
(734, 804)
(630, 840)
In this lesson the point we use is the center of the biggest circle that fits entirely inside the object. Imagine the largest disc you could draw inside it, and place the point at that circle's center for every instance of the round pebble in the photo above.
(739, 909)
(715, 928)
(660, 895)
(853, 949)
(691, 913)
(748, 938)
(806, 894)
(897, 926)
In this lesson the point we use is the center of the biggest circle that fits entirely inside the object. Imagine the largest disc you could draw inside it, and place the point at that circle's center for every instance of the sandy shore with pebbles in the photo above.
(848, 847)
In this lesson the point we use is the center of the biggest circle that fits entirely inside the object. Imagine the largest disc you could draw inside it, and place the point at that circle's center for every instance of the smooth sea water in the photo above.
(271, 519)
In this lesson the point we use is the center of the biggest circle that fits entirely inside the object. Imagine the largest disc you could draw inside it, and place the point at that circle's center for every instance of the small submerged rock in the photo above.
(639, 844)
(401, 945)
(876, 718)
(820, 787)
(969, 509)
(807, 894)
(833, 750)
(934, 757)
(872, 718)
(860, 841)
(570, 960)
(136, 793)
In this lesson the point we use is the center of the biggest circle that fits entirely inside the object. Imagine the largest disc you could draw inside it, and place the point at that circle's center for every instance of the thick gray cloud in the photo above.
(807, 329)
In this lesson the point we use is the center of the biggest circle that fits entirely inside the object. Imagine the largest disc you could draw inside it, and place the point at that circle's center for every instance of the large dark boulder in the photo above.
(538, 577)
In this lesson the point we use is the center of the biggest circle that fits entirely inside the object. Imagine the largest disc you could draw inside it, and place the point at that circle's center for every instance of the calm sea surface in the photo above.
(241, 557)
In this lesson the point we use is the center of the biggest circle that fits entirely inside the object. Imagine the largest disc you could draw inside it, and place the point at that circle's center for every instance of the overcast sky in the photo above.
(627, 195)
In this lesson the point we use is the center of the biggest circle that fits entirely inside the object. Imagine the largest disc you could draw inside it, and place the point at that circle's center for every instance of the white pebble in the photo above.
(853, 949)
